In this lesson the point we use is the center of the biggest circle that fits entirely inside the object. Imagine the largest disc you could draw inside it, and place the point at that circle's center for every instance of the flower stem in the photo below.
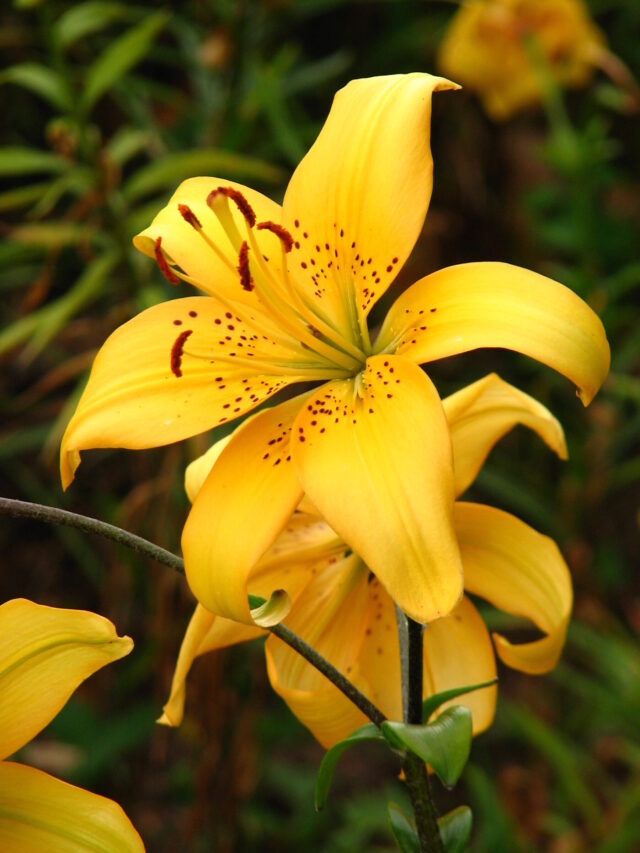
(53, 515)
(417, 779)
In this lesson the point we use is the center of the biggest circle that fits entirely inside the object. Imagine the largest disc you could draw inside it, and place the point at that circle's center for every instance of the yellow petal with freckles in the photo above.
(465, 307)
(39, 813)
(374, 455)
(481, 413)
(520, 571)
(331, 615)
(45, 653)
(246, 501)
(188, 249)
(458, 653)
(156, 380)
(357, 201)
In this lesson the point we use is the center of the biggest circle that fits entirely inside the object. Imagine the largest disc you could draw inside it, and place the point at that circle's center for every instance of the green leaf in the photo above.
(25, 161)
(173, 168)
(126, 143)
(368, 732)
(121, 55)
(455, 829)
(432, 703)
(403, 829)
(22, 196)
(50, 235)
(42, 80)
(444, 744)
(83, 19)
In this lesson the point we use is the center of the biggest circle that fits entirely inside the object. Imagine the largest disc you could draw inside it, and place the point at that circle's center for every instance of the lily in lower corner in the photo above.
(288, 293)
(342, 610)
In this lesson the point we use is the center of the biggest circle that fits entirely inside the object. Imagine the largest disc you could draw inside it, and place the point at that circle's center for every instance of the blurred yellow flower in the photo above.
(341, 609)
(45, 653)
(289, 290)
(491, 45)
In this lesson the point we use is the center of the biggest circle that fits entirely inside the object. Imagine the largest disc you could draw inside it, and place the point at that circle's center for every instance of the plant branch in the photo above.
(52, 515)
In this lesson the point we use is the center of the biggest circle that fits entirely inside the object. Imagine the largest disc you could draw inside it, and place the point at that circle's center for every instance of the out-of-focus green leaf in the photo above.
(83, 19)
(403, 830)
(22, 196)
(121, 55)
(76, 181)
(50, 235)
(455, 829)
(368, 732)
(432, 703)
(42, 80)
(168, 171)
(126, 143)
(16, 161)
(444, 744)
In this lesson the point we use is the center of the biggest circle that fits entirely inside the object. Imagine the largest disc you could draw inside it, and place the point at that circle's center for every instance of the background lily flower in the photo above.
(289, 292)
(341, 609)
(45, 653)
(490, 47)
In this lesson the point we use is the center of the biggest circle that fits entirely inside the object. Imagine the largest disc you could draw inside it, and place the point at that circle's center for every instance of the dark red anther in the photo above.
(165, 269)
(189, 216)
(243, 267)
(176, 352)
(280, 231)
(240, 201)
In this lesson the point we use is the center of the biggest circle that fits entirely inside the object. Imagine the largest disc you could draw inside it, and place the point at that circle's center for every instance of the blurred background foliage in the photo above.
(106, 106)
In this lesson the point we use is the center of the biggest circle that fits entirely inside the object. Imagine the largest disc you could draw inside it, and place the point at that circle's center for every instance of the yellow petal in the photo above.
(189, 250)
(205, 633)
(247, 499)
(374, 456)
(150, 385)
(521, 571)
(481, 413)
(357, 201)
(39, 813)
(331, 615)
(458, 653)
(198, 470)
(461, 308)
(45, 653)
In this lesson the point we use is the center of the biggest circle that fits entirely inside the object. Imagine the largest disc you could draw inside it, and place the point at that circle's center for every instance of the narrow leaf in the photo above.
(22, 196)
(42, 81)
(368, 732)
(83, 19)
(26, 161)
(404, 832)
(455, 829)
(444, 744)
(432, 703)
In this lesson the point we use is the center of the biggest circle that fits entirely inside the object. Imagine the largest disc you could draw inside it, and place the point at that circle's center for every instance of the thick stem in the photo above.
(52, 515)
(417, 779)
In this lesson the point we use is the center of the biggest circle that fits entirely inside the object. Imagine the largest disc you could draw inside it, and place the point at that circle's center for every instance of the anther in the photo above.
(161, 259)
(281, 232)
(189, 216)
(240, 201)
(243, 267)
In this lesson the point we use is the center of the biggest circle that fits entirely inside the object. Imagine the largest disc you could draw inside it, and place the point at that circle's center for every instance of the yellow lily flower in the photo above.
(341, 609)
(45, 653)
(486, 48)
(289, 292)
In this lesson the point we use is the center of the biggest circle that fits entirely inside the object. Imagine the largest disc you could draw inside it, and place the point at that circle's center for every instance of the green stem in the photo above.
(52, 515)
(417, 779)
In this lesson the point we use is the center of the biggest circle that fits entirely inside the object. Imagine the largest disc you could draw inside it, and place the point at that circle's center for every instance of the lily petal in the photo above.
(520, 571)
(246, 501)
(45, 653)
(374, 456)
(38, 812)
(481, 413)
(457, 653)
(464, 307)
(357, 202)
(188, 249)
(156, 380)
(331, 616)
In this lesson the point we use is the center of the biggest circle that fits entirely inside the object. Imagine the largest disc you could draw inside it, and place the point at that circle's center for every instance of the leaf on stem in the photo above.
(432, 703)
(368, 732)
(455, 829)
(403, 829)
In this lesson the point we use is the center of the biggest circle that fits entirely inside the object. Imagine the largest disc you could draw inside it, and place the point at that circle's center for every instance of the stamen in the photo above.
(236, 196)
(176, 352)
(163, 263)
(243, 268)
(280, 231)
(189, 216)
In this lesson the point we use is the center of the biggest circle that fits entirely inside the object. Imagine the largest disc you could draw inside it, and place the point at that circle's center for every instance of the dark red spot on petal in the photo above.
(176, 352)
